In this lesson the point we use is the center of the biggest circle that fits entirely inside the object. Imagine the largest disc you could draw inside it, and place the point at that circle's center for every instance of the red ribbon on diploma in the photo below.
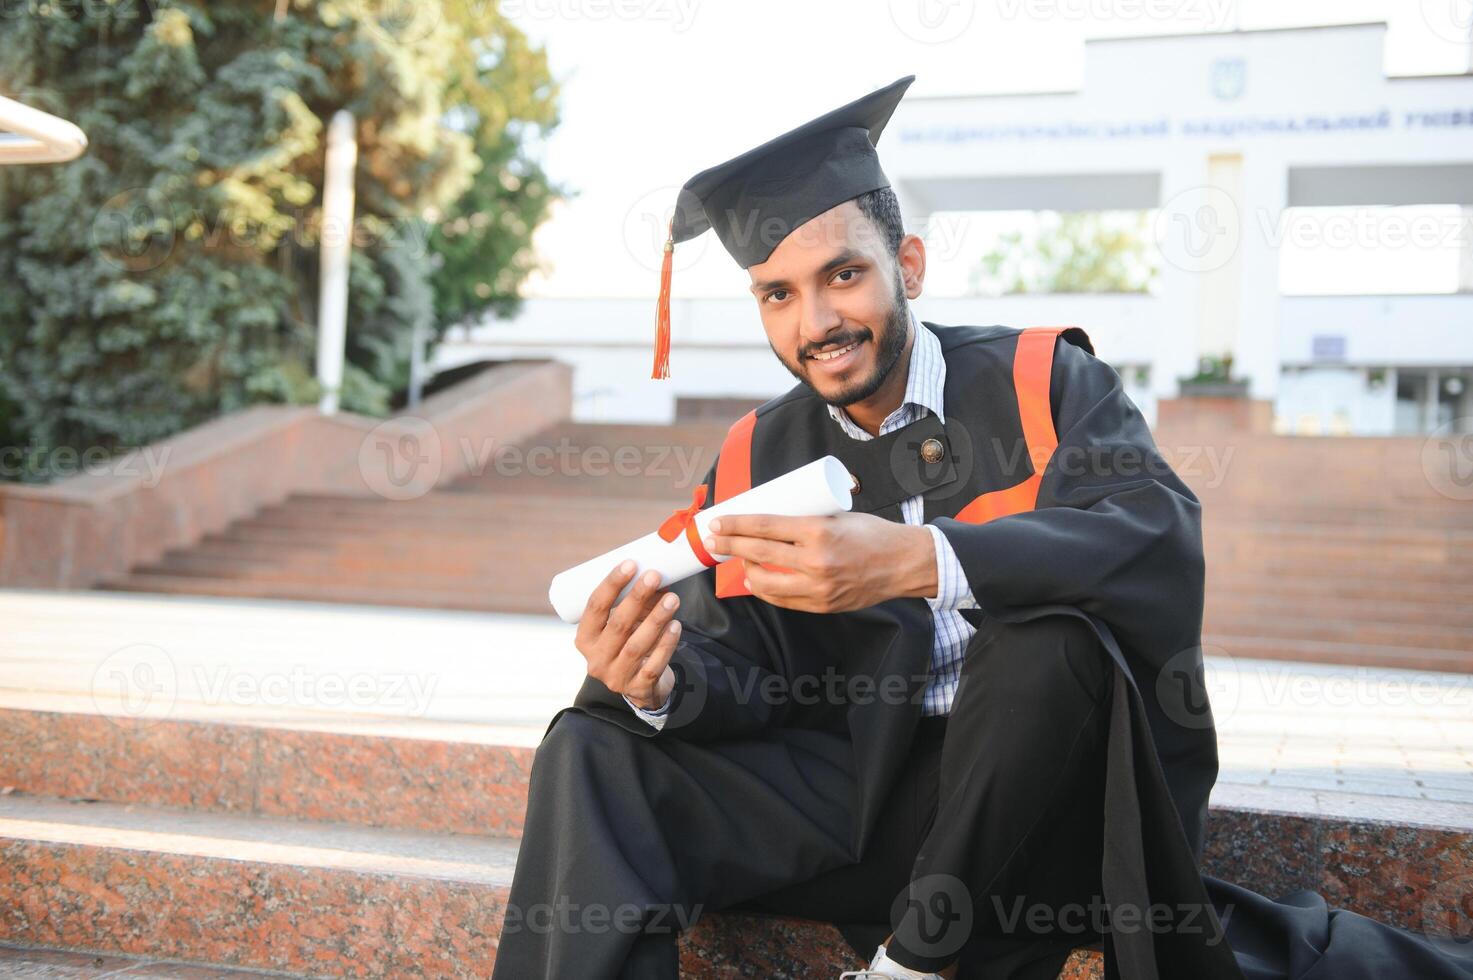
(684, 519)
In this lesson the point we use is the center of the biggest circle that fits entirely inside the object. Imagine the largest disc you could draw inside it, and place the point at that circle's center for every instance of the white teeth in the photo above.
(830, 355)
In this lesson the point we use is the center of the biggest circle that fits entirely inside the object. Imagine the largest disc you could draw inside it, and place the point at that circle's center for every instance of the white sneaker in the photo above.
(884, 968)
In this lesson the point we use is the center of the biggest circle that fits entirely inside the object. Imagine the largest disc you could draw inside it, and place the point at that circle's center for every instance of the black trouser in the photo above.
(991, 832)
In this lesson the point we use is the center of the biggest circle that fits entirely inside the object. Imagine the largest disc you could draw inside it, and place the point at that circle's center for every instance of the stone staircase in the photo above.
(366, 840)
(1330, 550)
(321, 853)
(308, 852)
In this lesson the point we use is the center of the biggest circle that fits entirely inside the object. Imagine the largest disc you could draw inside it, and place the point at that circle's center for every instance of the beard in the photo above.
(887, 354)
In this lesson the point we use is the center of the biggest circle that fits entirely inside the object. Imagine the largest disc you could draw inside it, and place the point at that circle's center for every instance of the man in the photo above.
(893, 715)
(968, 714)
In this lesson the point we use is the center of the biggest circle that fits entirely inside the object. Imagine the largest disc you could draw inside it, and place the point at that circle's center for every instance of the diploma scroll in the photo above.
(817, 489)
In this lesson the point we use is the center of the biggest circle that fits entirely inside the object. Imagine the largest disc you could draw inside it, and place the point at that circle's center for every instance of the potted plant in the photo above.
(1214, 379)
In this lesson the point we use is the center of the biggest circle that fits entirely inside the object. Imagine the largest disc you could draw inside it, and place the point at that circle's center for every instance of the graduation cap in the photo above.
(755, 200)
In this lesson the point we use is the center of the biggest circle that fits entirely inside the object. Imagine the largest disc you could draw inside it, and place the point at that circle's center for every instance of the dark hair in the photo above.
(882, 208)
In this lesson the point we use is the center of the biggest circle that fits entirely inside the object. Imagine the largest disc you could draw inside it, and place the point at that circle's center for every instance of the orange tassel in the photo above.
(662, 311)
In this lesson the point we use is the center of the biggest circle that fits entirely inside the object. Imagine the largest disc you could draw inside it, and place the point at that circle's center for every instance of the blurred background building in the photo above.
(1285, 203)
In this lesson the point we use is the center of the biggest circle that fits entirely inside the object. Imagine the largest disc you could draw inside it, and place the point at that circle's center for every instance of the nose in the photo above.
(819, 320)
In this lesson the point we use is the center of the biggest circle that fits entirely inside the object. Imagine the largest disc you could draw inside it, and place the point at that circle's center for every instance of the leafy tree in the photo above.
(505, 98)
(1071, 252)
(170, 274)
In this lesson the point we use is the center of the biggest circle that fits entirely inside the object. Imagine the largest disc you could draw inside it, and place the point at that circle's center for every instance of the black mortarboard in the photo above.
(755, 200)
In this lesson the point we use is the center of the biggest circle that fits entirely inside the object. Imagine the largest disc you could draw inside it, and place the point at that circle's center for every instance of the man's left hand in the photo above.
(828, 564)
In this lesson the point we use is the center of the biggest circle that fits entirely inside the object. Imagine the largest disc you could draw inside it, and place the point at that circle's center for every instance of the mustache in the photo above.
(835, 341)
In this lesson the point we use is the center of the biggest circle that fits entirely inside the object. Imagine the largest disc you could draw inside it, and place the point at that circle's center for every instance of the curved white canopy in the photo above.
(31, 136)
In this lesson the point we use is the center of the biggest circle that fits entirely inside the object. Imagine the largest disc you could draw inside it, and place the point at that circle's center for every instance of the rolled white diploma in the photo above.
(815, 489)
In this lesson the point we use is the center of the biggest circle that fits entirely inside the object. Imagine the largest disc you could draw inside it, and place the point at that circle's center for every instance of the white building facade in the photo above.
(1220, 136)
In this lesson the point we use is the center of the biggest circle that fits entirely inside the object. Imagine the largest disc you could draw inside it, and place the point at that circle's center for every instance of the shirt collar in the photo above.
(926, 379)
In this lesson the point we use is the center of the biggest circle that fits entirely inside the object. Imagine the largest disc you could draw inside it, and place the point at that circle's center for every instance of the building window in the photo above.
(1432, 398)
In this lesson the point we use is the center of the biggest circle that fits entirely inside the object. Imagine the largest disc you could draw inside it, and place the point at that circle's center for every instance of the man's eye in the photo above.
(846, 272)
(777, 295)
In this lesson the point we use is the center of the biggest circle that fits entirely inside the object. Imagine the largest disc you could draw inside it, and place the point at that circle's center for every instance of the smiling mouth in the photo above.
(830, 355)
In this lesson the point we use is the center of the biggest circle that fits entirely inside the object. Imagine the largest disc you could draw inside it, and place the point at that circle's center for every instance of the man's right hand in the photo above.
(628, 646)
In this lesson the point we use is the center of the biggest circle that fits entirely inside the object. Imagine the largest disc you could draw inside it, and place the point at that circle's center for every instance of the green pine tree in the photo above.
(170, 274)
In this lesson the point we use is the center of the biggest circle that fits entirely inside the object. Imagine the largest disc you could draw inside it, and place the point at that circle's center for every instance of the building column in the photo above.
(1256, 354)
(1185, 230)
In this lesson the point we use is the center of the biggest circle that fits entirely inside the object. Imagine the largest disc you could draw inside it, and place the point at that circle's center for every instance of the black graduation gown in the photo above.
(1115, 539)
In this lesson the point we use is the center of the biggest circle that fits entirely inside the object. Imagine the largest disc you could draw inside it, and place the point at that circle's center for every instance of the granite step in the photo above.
(38, 962)
(356, 593)
(466, 781)
(1413, 632)
(318, 899)
(1265, 600)
(1254, 644)
(1332, 586)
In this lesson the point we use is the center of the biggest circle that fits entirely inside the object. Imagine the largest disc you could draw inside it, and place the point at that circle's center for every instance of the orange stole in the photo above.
(1032, 370)
(1033, 364)
(734, 476)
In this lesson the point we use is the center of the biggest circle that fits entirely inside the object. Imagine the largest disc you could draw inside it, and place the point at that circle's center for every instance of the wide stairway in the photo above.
(329, 790)
(151, 817)
(1318, 549)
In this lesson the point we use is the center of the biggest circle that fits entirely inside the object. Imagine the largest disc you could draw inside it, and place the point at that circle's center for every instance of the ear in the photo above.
(911, 259)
